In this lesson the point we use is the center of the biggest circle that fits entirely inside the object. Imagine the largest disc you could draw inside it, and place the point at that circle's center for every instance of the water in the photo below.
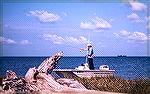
(125, 67)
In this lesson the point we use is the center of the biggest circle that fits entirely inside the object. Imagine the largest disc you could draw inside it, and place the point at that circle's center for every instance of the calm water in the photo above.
(126, 67)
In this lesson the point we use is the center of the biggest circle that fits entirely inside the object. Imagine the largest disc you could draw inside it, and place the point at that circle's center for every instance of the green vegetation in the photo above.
(116, 84)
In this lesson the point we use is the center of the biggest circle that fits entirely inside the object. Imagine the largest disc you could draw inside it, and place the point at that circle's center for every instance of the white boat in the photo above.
(84, 71)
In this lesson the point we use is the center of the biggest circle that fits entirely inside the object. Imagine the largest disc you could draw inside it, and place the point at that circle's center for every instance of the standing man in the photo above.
(89, 56)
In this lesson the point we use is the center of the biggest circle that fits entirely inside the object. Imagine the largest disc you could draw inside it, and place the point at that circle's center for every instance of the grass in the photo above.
(116, 84)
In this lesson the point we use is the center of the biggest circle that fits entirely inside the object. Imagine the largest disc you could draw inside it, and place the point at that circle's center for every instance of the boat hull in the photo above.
(71, 73)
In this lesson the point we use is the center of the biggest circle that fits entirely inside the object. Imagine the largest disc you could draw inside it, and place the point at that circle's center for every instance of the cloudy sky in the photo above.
(41, 29)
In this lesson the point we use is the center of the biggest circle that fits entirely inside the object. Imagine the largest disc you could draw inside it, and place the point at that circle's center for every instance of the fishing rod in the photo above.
(75, 48)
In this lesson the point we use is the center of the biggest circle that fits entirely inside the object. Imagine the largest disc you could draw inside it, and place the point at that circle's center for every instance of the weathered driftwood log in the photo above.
(39, 80)
(47, 65)
(13, 83)
(11, 75)
(50, 63)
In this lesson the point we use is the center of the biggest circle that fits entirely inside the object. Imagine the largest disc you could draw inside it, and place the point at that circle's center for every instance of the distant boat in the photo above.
(121, 55)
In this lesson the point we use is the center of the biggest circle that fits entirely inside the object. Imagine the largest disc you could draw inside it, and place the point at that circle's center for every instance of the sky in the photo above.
(41, 29)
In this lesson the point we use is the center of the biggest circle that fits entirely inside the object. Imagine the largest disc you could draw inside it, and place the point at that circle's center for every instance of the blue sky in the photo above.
(41, 29)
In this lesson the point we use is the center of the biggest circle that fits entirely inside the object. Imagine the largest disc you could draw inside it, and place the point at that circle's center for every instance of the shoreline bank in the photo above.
(106, 85)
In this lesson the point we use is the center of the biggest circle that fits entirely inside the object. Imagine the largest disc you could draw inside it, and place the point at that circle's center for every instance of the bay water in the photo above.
(125, 67)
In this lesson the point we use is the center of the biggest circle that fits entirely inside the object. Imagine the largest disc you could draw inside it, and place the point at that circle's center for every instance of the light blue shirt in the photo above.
(90, 52)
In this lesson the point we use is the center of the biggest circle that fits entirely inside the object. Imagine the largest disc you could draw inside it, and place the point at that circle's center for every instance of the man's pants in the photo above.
(90, 63)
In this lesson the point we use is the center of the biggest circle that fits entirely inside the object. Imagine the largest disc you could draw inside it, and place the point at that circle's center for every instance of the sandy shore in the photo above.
(82, 92)
(64, 92)
(67, 92)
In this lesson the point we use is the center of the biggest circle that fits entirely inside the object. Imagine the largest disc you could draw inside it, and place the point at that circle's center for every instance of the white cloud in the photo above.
(64, 40)
(97, 23)
(71, 39)
(87, 25)
(25, 42)
(83, 40)
(101, 23)
(134, 18)
(44, 16)
(123, 34)
(137, 6)
(133, 36)
(6, 41)
(79, 40)
(138, 36)
(54, 38)
(10, 41)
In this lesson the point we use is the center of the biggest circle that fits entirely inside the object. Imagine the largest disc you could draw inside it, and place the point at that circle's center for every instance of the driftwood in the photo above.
(47, 65)
(50, 63)
(38, 80)
(14, 84)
